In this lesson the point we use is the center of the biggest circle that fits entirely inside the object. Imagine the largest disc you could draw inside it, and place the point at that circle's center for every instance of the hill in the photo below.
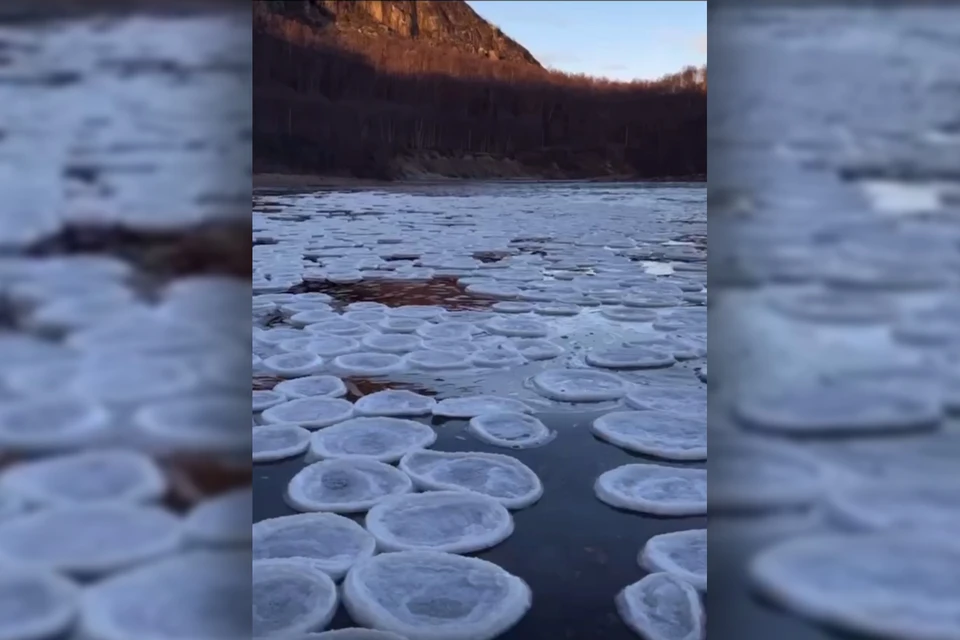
(423, 89)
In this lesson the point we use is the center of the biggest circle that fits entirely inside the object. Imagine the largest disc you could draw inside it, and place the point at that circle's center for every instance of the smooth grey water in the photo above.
(574, 551)
(834, 155)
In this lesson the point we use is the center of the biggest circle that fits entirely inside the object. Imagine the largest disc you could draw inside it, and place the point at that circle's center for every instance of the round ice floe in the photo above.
(853, 408)
(660, 434)
(654, 489)
(86, 478)
(293, 364)
(472, 406)
(517, 327)
(221, 520)
(345, 486)
(511, 306)
(331, 346)
(133, 379)
(51, 423)
(36, 604)
(368, 364)
(422, 312)
(391, 342)
(310, 413)
(557, 309)
(339, 327)
(453, 346)
(394, 402)
(681, 348)
(291, 597)
(447, 331)
(579, 385)
(430, 595)
(650, 300)
(331, 542)
(537, 348)
(314, 316)
(497, 357)
(662, 607)
(366, 316)
(375, 438)
(431, 360)
(89, 540)
(450, 521)
(751, 474)
(279, 441)
(266, 398)
(276, 335)
(690, 401)
(679, 553)
(501, 477)
(922, 504)
(629, 358)
(312, 386)
(890, 585)
(216, 422)
(510, 429)
(628, 314)
(834, 307)
(188, 595)
(399, 325)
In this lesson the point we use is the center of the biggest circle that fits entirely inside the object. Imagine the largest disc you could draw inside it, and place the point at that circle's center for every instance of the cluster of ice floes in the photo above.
(837, 330)
(102, 383)
(525, 329)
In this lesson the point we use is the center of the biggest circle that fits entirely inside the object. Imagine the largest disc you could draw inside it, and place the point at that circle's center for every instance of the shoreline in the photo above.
(306, 181)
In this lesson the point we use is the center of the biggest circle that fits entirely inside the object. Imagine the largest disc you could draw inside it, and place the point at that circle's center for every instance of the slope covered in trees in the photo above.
(378, 98)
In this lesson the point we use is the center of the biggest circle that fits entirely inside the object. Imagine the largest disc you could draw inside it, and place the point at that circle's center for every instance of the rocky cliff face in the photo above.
(450, 24)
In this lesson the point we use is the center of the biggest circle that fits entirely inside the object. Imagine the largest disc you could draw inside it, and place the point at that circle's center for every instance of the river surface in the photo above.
(416, 246)
(835, 170)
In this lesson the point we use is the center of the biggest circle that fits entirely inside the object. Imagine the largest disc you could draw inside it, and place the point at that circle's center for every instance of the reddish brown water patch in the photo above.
(442, 291)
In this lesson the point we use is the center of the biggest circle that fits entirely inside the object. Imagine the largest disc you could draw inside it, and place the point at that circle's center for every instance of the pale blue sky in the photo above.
(621, 40)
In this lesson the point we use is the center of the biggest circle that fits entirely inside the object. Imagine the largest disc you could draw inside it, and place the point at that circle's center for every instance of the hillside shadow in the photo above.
(321, 108)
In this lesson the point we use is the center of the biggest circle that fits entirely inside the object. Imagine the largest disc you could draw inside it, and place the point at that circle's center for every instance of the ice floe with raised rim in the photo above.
(510, 429)
(858, 408)
(192, 594)
(274, 442)
(654, 489)
(661, 606)
(754, 474)
(89, 540)
(537, 348)
(496, 475)
(579, 385)
(371, 364)
(311, 387)
(472, 406)
(205, 422)
(516, 327)
(331, 542)
(394, 403)
(87, 477)
(433, 360)
(449, 521)
(432, 595)
(395, 343)
(922, 503)
(679, 553)
(380, 438)
(345, 486)
(263, 399)
(293, 364)
(314, 412)
(221, 520)
(291, 597)
(629, 357)
(843, 581)
(654, 433)
(37, 603)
